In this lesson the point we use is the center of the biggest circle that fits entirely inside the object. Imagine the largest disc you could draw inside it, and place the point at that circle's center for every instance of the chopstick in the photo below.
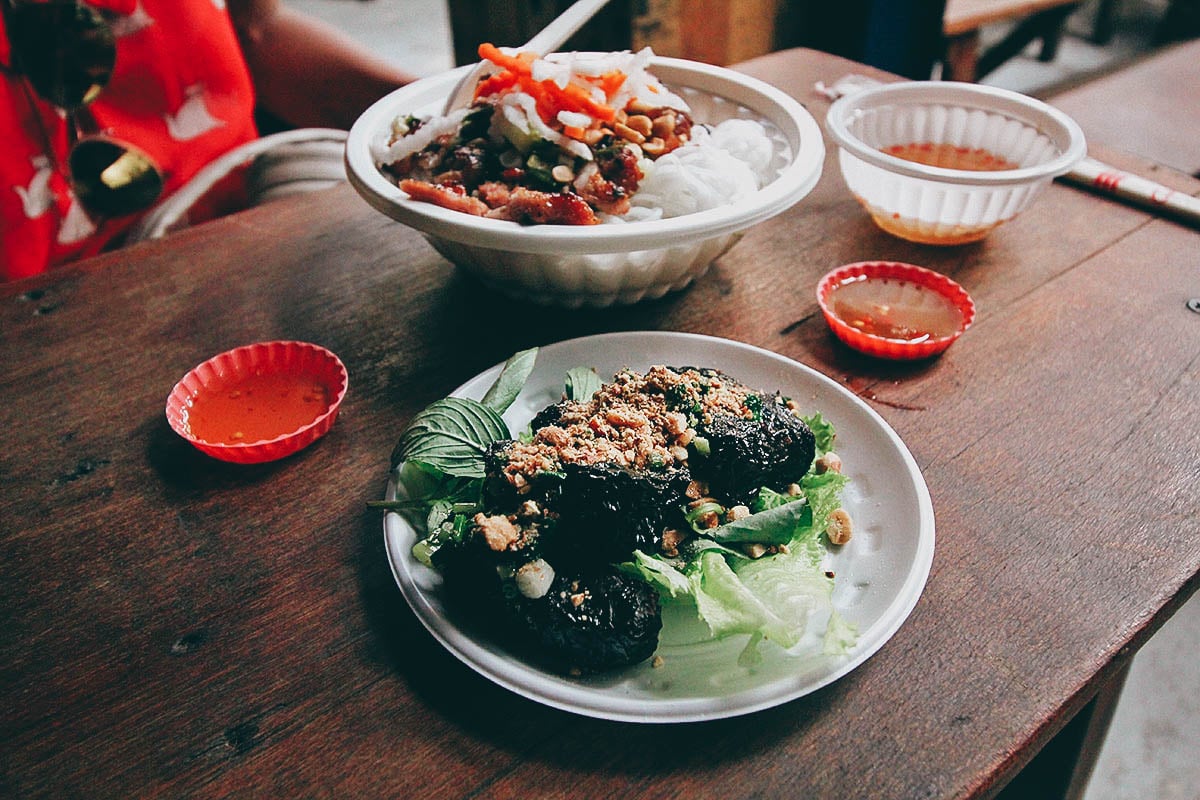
(1104, 179)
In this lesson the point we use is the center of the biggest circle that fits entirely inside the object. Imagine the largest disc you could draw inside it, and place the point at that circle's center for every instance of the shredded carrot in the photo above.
(574, 131)
(611, 81)
(520, 63)
(580, 96)
(495, 83)
(549, 96)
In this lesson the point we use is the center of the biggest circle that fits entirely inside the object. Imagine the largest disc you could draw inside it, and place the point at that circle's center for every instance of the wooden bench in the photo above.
(1150, 108)
(963, 19)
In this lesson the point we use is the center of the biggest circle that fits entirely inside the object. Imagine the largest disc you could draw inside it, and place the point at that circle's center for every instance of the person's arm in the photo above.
(306, 72)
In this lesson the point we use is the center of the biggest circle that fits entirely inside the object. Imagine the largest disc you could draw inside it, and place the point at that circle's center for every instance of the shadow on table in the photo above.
(185, 469)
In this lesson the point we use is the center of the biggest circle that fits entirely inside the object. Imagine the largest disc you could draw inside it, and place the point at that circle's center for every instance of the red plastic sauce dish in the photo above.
(260, 402)
(893, 310)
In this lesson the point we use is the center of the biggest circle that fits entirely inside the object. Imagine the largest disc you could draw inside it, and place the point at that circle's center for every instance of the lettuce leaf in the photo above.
(776, 525)
(824, 495)
(658, 573)
(771, 598)
(823, 431)
(840, 635)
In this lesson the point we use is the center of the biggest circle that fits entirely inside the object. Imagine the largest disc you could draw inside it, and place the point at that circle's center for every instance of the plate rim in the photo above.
(469, 651)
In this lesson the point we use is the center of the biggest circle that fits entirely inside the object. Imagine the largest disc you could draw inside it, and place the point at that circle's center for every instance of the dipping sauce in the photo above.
(257, 408)
(894, 309)
(950, 156)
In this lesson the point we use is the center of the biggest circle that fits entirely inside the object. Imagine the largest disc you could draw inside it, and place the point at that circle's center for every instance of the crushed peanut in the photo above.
(736, 513)
(671, 539)
(839, 526)
(627, 133)
(663, 126)
(754, 549)
(627, 422)
(830, 462)
(654, 146)
(640, 123)
(497, 530)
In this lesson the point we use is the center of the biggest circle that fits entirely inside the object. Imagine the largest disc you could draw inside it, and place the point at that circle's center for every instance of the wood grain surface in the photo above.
(1147, 108)
(178, 627)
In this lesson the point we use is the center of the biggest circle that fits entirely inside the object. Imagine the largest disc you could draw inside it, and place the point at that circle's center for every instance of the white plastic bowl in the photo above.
(937, 205)
(600, 265)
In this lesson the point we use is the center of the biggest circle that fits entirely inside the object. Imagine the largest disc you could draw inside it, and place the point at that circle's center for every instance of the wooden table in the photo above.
(178, 627)
(1148, 107)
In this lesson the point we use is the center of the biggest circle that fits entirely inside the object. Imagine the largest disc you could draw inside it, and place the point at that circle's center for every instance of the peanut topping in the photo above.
(662, 127)
(754, 549)
(839, 526)
(654, 147)
(628, 421)
(640, 123)
(671, 539)
(627, 133)
(497, 531)
(830, 462)
(737, 512)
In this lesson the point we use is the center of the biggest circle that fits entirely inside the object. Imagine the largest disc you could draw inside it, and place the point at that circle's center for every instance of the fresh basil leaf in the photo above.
(582, 383)
(418, 485)
(773, 526)
(511, 380)
(450, 437)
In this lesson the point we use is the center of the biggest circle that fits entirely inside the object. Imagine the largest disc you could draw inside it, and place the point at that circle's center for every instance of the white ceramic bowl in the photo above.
(599, 265)
(936, 204)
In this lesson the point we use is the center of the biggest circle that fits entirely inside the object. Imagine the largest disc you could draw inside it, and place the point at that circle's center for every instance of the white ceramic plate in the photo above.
(880, 573)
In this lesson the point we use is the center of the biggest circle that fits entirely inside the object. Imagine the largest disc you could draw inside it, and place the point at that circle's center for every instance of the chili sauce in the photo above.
(257, 408)
(894, 309)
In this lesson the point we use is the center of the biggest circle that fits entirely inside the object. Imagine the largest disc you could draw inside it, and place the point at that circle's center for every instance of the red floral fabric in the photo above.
(180, 91)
